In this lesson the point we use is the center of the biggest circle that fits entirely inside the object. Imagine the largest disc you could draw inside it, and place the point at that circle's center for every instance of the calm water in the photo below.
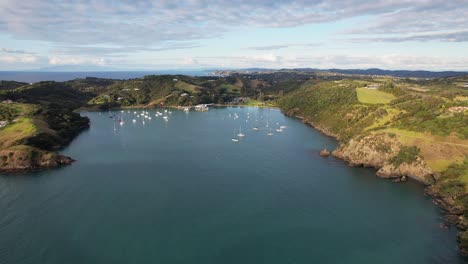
(182, 192)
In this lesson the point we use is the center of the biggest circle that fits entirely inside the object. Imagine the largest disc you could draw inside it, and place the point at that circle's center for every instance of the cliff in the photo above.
(379, 151)
(23, 157)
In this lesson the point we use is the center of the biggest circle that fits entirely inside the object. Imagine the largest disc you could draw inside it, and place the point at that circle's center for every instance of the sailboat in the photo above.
(115, 127)
(235, 139)
(240, 132)
(121, 121)
(269, 133)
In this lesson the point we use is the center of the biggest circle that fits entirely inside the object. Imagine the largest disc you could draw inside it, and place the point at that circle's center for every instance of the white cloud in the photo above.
(19, 58)
(75, 60)
(190, 61)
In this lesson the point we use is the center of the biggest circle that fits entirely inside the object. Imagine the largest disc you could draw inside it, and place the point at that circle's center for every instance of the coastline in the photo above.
(453, 213)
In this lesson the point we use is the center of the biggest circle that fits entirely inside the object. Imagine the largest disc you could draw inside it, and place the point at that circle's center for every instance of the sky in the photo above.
(191, 34)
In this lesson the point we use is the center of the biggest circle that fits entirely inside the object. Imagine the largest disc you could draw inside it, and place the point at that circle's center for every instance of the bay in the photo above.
(182, 191)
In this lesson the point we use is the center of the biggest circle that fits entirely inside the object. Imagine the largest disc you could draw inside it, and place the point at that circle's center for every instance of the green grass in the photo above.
(231, 88)
(185, 86)
(381, 122)
(371, 96)
(21, 129)
(253, 102)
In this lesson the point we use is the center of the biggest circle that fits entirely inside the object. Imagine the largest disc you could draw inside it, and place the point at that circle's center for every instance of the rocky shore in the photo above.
(28, 158)
(377, 150)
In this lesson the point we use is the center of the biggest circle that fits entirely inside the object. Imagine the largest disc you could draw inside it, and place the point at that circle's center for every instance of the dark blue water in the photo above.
(30, 76)
(182, 192)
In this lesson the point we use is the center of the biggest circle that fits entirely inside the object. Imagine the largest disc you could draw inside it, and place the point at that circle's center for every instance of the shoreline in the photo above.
(450, 211)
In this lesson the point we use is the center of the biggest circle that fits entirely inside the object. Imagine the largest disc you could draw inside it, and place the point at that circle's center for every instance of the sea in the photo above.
(182, 191)
(37, 76)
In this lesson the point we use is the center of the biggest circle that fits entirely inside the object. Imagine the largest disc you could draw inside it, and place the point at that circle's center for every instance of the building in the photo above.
(201, 107)
(7, 101)
(3, 124)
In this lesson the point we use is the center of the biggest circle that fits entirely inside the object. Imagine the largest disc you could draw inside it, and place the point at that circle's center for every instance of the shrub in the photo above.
(405, 155)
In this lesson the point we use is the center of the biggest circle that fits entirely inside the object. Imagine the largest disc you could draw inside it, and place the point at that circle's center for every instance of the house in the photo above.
(3, 124)
(126, 90)
(120, 98)
(136, 89)
(7, 101)
(175, 80)
(466, 85)
(184, 94)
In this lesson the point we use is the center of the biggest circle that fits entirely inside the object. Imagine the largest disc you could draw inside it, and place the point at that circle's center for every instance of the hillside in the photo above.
(39, 121)
(402, 128)
(415, 128)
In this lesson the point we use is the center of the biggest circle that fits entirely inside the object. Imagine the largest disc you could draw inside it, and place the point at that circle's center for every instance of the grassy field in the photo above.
(371, 96)
(231, 88)
(253, 102)
(438, 152)
(21, 129)
(186, 87)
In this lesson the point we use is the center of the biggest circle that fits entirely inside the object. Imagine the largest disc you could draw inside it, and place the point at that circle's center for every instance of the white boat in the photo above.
(134, 120)
(255, 128)
(279, 130)
(282, 127)
(240, 133)
(165, 118)
(115, 127)
(121, 122)
(269, 133)
(235, 139)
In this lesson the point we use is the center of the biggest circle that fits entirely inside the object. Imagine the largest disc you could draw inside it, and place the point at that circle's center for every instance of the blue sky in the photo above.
(153, 35)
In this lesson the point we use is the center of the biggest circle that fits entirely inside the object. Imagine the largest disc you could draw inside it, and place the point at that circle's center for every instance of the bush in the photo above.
(405, 155)
(452, 188)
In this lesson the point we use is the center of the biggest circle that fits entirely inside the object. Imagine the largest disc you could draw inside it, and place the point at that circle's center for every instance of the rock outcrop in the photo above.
(325, 153)
(377, 151)
(28, 158)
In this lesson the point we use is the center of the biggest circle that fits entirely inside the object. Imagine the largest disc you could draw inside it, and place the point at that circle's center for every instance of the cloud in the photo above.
(75, 60)
(451, 36)
(118, 51)
(190, 61)
(13, 51)
(282, 46)
(148, 23)
(356, 61)
(272, 47)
